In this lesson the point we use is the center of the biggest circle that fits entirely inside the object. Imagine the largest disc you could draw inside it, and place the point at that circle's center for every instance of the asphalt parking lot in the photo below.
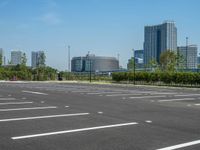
(69, 116)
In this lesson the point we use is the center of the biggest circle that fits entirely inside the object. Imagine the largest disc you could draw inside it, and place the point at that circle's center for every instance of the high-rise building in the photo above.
(35, 58)
(189, 56)
(159, 38)
(16, 57)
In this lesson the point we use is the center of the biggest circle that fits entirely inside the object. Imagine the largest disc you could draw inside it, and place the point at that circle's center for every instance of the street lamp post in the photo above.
(90, 71)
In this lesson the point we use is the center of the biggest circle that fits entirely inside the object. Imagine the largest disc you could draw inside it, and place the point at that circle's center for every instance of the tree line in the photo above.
(23, 72)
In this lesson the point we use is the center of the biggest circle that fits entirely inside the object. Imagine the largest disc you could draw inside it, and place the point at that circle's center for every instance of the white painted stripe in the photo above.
(188, 95)
(197, 104)
(32, 108)
(171, 100)
(15, 103)
(181, 145)
(122, 95)
(66, 106)
(148, 121)
(102, 93)
(148, 96)
(71, 131)
(162, 93)
(43, 117)
(80, 91)
(32, 92)
(5, 99)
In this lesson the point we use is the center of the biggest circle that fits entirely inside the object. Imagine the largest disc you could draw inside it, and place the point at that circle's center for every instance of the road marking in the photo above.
(148, 121)
(32, 108)
(5, 99)
(32, 92)
(188, 95)
(100, 112)
(80, 91)
(171, 100)
(97, 93)
(161, 93)
(181, 145)
(43, 117)
(15, 103)
(66, 106)
(122, 95)
(72, 131)
(147, 97)
(197, 104)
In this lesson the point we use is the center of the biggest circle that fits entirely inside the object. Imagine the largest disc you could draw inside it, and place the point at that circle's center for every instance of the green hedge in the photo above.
(161, 77)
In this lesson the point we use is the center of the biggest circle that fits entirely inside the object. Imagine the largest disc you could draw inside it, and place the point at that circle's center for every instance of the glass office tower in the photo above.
(158, 39)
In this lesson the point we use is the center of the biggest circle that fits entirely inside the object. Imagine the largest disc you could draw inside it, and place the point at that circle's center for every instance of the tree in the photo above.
(153, 64)
(168, 61)
(131, 64)
(181, 62)
(24, 59)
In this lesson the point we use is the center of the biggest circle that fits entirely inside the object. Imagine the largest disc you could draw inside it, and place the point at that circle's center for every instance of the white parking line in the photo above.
(171, 100)
(148, 96)
(197, 104)
(97, 93)
(72, 131)
(113, 95)
(31, 108)
(32, 92)
(43, 117)
(15, 103)
(80, 91)
(162, 93)
(181, 145)
(188, 95)
(148, 121)
(6, 99)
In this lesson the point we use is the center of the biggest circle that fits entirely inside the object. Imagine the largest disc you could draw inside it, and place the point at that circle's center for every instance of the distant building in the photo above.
(139, 60)
(1, 56)
(198, 60)
(139, 54)
(139, 64)
(35, 58)
(159, 38)
(16, 57)
(94, 63)
(189, 54)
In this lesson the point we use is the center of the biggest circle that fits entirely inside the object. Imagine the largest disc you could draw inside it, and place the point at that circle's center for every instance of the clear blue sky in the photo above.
(103, 27)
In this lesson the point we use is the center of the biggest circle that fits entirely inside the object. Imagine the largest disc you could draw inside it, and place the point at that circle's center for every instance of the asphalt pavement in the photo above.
(73, 116)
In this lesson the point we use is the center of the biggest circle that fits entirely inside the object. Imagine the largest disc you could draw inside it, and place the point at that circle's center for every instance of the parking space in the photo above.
(80, 116)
